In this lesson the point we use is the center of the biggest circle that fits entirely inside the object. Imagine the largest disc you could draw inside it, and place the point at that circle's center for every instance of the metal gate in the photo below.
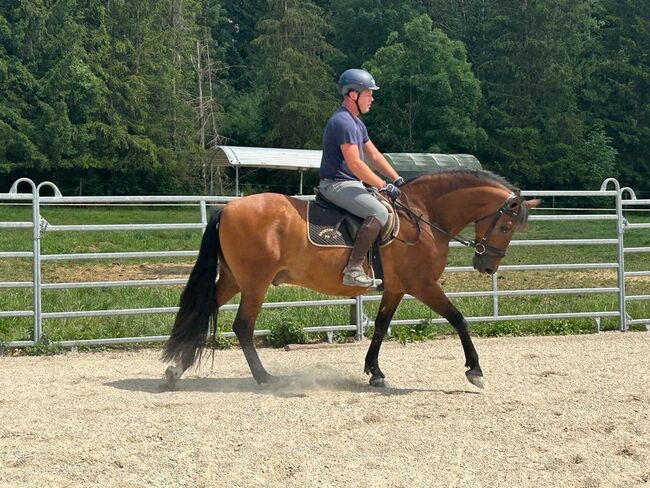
(358, 319)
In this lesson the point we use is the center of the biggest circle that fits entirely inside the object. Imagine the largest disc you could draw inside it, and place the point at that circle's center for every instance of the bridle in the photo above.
(481, 246)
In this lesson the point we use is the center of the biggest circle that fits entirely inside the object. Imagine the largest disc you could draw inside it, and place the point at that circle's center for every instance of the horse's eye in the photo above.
(506, 227)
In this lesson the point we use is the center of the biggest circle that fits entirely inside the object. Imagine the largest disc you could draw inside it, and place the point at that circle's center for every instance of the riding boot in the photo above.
(353, 274)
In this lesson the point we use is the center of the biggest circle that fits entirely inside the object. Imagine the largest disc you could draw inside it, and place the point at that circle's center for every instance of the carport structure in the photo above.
(406, 164)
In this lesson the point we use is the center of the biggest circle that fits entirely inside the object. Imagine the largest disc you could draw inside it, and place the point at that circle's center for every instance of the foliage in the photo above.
(119, 97)
(617, 92)
(292, 73)
(421, 331)
(430, 96)
(286, 331)
(362, 26)
(220, 342)
(531, 58)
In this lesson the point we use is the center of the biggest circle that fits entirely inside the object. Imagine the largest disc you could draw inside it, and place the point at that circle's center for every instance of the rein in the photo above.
(481, 246)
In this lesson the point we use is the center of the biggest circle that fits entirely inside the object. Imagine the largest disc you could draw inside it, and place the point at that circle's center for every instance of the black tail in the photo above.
(198, 302)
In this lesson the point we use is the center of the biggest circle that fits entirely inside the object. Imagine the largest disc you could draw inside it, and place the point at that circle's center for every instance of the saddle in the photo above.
(328, 225)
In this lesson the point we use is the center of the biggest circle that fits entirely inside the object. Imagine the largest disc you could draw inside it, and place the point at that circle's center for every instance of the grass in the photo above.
(167, 296)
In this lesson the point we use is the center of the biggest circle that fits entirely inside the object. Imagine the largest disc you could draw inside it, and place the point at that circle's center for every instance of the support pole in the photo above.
(620, 229)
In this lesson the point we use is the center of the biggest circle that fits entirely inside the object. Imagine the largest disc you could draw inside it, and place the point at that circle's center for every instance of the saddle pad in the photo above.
(327, 227)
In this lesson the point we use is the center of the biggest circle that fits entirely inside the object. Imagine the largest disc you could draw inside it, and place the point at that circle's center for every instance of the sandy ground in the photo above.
(556, 412)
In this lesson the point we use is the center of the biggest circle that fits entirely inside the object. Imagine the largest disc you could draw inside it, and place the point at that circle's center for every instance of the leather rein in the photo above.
(480, 246)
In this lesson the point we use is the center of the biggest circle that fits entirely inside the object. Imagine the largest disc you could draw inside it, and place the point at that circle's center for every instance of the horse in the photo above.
(260, 240)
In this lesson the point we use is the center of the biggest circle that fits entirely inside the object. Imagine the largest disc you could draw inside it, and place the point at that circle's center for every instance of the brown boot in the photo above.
(353, 274)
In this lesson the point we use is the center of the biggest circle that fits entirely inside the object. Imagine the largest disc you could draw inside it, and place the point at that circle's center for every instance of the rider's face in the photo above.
(365, 100)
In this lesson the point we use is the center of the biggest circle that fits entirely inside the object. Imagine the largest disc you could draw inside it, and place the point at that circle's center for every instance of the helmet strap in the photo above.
(356, 102)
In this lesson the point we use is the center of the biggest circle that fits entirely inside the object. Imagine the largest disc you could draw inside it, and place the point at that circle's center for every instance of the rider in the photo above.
(343, 171)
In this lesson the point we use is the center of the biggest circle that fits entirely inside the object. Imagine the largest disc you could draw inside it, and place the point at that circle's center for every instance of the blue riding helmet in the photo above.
(357, 80)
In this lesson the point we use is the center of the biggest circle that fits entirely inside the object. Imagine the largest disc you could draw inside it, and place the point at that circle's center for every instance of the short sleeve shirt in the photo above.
(341, 128)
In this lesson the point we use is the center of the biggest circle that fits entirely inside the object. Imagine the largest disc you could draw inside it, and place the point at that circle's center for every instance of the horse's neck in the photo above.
(456, 209)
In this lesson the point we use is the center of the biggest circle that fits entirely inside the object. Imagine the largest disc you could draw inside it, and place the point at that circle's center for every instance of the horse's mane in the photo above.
(453, 179)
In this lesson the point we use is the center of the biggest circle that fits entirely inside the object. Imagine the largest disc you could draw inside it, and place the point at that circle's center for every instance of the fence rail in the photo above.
(359, 320)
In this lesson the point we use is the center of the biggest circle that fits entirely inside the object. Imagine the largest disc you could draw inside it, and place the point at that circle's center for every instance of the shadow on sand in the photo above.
(282, 386)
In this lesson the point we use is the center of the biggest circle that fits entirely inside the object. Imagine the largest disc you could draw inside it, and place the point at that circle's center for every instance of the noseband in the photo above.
(481, 247)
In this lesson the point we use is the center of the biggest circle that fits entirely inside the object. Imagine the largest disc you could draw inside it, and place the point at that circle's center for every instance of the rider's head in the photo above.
(357, 85)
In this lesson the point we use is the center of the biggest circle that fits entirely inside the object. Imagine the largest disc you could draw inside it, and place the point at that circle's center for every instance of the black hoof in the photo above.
(476, 378)
(265, 379)
(377, 382)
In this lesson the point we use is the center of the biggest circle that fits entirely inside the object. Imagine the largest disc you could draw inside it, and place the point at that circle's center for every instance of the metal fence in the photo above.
(622, 198)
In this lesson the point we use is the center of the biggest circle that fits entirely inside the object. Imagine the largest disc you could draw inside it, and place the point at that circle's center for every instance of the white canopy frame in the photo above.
(406, 164)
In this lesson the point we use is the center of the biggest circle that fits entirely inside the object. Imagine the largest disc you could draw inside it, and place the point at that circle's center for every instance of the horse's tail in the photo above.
(198, 301)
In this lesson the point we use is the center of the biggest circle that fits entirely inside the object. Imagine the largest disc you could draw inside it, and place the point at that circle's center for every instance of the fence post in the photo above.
(204, 213)
(620, 229)
(36, 257)
(495, 297)
(356, 316)
(38, 228)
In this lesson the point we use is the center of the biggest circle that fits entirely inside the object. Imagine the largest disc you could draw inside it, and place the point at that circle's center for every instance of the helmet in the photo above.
(357, 80)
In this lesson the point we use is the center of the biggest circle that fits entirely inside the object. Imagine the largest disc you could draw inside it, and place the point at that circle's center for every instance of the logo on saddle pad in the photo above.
(330, 233)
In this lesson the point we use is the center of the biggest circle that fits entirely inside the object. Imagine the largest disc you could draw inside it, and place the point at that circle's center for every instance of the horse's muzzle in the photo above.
(484, 264)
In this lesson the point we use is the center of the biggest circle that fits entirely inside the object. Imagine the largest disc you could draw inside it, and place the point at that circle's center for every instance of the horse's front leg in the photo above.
(436, 299)
(387, 307)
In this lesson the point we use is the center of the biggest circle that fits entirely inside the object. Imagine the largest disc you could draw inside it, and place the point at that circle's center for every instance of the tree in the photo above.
(292, 73)
(429, 97)
(618, 91)
(531, 58)
(362, 26)
(99, 93)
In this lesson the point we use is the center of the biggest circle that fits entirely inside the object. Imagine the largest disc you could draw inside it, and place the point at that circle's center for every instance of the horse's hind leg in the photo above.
(249, 308)
(387, 307)
(226, 289)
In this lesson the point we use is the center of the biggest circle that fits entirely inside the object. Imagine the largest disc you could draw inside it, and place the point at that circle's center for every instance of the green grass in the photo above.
(167, 296)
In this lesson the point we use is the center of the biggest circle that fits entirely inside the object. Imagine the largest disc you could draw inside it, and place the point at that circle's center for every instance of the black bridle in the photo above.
(481, 246)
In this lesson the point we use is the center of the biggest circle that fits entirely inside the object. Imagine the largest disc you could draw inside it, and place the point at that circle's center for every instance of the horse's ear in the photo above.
(533, 203)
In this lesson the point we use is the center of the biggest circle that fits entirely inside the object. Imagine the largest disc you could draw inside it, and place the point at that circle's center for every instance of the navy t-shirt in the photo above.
(341, 128)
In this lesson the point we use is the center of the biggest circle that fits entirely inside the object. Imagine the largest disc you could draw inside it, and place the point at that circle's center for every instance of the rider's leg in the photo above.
(353, 197)
(354, 274)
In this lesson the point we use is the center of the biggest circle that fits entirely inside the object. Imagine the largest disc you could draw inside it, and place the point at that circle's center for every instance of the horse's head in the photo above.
(494, 231)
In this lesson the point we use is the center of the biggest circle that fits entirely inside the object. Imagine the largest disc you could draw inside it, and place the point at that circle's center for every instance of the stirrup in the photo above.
(357, 277)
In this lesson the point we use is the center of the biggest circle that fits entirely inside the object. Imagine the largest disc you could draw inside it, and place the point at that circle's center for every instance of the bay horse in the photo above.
(261, 239)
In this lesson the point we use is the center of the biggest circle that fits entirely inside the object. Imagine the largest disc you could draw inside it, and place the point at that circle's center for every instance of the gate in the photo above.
(358, 319)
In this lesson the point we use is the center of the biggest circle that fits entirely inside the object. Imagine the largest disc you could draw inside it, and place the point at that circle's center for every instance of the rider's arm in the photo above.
(359, 168)
(379, 161)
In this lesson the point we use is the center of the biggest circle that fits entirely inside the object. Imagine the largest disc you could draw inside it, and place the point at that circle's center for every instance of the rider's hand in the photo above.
(399, 181)
(391, 191)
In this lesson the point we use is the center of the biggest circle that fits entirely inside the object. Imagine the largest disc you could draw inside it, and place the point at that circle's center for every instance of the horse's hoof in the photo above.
(377, 382)
(476, 379)
(265, 379)
(171, 375)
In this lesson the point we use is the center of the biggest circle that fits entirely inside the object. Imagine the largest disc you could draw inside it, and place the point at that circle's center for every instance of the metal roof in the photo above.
(264, 157)
(297, 159)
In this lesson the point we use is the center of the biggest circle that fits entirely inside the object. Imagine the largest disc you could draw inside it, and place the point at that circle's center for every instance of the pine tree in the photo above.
(531, 58)
(292, 73)
(617, 92)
